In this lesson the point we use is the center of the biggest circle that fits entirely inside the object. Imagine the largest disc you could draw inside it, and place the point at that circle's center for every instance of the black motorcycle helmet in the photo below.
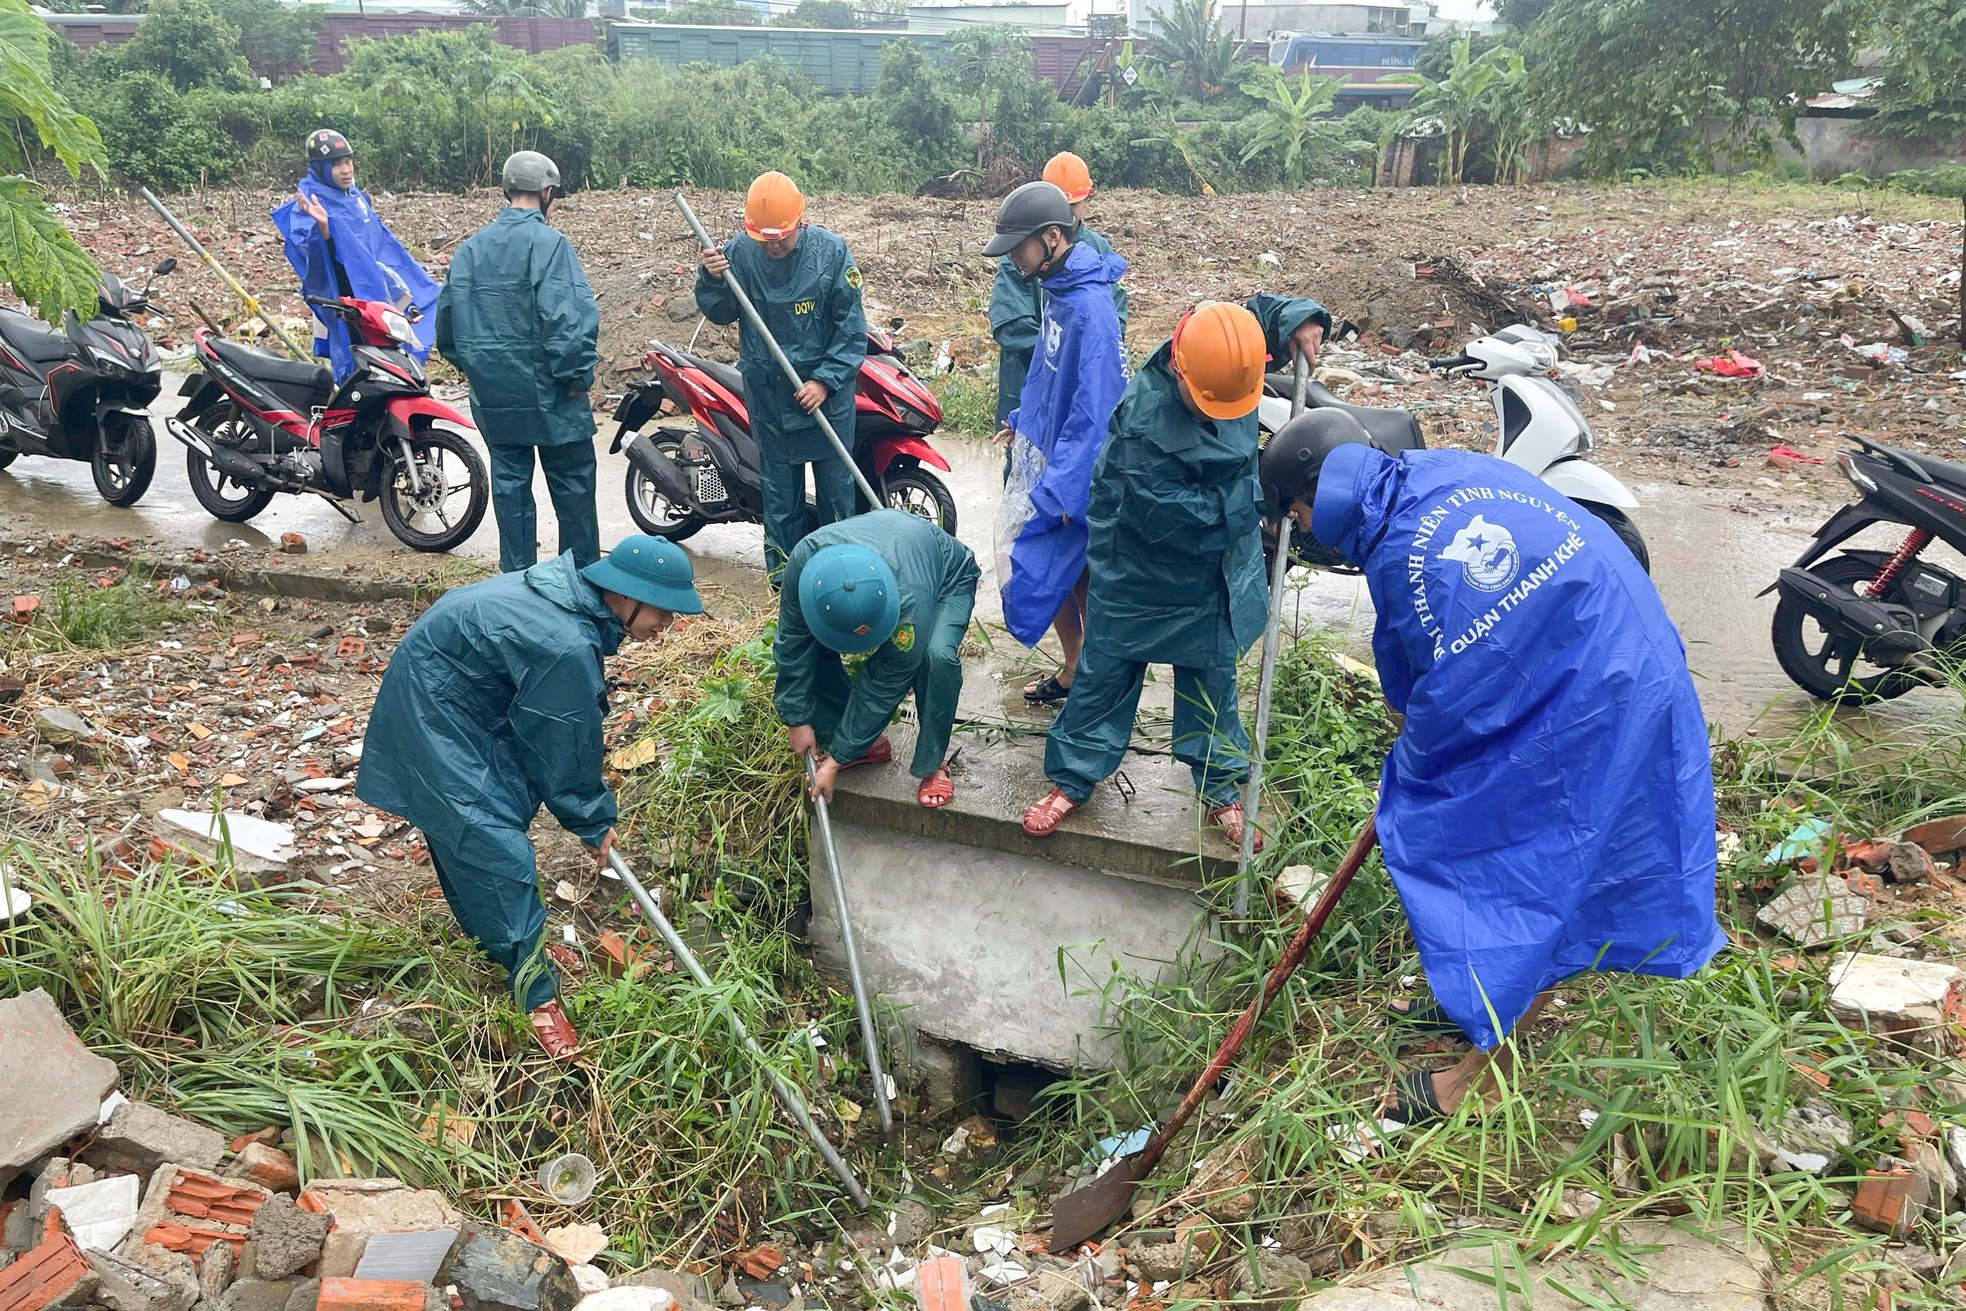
(327, 144)
(1028, 211)
(1295, 455)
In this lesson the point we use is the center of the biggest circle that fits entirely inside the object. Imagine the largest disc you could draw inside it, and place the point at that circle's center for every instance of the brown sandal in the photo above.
(1230, 819)
(879, 753)
(937, 790)
(1042, 819)
(555, 1031)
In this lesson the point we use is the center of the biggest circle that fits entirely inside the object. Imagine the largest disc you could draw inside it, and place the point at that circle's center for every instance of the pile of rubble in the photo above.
(113, 1204)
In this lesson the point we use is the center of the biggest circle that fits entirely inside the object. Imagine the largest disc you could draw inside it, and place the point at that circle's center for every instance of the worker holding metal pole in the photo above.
(799, 351)
(245, 297)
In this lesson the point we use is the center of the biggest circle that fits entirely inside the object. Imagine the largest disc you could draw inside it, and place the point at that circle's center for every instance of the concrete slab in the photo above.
(985, 937)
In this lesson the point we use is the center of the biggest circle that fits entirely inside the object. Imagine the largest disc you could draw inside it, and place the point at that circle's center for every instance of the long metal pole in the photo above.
(1266, 681)
(751, 317)
(788, 1096)
(868, 1036)
(211, 262)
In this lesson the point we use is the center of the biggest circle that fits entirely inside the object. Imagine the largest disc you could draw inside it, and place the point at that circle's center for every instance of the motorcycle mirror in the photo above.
(166, 265)
(895, 324)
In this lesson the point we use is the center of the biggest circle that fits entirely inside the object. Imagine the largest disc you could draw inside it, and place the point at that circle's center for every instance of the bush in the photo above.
(159, 138)
(1946, 180)
(186, 43)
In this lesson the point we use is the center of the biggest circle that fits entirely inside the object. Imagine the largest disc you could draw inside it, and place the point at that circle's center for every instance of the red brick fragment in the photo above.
(192, 1242)
(1941, 837)
(269, 1167)
(24, 608)
(514, 1216)
(760, 1262)
(371, 1295)
(44, 1274)
(1883, 1201)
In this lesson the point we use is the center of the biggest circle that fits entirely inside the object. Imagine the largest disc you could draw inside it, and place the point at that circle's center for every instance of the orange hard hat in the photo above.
(1069, 174)
(773, 207)
(1220, 353)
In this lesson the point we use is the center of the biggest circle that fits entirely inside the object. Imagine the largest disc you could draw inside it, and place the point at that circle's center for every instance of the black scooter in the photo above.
(1884, 611)
(82, 394)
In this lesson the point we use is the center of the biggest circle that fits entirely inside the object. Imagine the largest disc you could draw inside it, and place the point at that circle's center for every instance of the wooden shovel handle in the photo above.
(1293, 956)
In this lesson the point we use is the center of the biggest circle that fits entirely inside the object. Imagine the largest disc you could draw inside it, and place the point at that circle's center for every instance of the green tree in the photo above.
(711, 13)
(912, 96)
(1201, 53)
(531, 8)
(1521, 13)
(1465, 101)
(38, 257)
(996, 62)
(1921, 89)
(1648, 78)
(277, 39)
(819, 13)
(1289, 118)
(187, 44)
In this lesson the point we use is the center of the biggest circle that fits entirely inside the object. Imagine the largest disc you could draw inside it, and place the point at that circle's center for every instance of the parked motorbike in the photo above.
(1887, 612)
(680, 479)
(1538, 427)
(256, 424)
(84, 393)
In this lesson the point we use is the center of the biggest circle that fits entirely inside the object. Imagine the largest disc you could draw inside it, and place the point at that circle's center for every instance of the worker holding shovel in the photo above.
(1175, 557)
(806, 289)
(1548, 807)
(492, 706)
(898, 590)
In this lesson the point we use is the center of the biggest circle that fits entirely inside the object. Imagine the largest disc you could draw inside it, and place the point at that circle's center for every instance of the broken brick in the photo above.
(192, 1242)
(619, 959)
(514, 1216)
(205, 1198)
(341, 1294)
(760, 1262)
(24, 608)
(939, 1285)
(1941, 837)
(47, 1273)
(1888, 1200)
(269, 1167)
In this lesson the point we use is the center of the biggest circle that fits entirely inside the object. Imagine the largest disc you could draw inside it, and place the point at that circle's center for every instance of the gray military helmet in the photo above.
(1028, 211)
(528, 170)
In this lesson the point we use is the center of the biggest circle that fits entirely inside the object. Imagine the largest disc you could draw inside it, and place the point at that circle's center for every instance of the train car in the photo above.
(1360, 60)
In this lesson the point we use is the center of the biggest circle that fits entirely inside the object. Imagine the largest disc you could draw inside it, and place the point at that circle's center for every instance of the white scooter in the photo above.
(1538, 427)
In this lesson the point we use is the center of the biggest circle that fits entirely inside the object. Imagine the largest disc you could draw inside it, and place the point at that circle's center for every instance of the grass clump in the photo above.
(969, 402)
(79, 615)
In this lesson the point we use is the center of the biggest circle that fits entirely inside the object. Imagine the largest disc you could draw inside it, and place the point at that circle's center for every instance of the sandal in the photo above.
(555, 1031)
(878, 754)
(1423, 1015)
(1042, 819)
(1414, 1101)
(937, 790)
(1230, 818)
(1048, 691)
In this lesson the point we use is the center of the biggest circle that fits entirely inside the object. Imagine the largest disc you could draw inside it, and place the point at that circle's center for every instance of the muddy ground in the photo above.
(1830, 292)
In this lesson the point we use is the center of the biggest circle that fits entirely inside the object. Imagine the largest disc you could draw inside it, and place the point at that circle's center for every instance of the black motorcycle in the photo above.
(1875, 624)
(83, 393)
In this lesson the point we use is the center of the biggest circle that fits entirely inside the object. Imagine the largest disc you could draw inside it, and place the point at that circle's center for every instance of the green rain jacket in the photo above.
(1175, 549)
(928, 565)
(811, 302)
(492, 707)
(1017, 310)
(516, 315)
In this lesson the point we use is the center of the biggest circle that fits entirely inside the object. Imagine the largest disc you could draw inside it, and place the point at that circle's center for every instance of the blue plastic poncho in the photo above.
(371, 259)
(1548, 807)
(1060, 424)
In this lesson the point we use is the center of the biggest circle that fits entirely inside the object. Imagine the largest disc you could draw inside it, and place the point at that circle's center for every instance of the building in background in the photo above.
(948, 19)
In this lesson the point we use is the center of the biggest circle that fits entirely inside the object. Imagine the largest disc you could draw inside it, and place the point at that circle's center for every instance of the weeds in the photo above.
(85, 616)
(969, 403)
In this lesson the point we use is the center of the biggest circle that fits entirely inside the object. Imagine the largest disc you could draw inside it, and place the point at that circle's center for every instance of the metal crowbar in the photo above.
(868, 1035)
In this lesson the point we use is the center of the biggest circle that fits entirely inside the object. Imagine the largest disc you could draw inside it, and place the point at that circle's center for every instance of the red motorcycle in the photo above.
(257, 424)
(680, 479)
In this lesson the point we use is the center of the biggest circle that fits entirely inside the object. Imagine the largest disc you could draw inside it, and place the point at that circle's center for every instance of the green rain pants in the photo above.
(782, 493)
(938, 686)
(1089, 737)
(569, 481)
(491, 880)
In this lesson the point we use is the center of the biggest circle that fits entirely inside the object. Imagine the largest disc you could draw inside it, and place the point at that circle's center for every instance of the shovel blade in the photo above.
(1084, 1212)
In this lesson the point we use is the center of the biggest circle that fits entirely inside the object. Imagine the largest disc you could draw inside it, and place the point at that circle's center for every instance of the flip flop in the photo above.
(878, 754)
(1043, 819)
(555, 1031)
(1229, 819)
(1424, 1015)
(1414, 1101)
(1048, 692)
(937, 790)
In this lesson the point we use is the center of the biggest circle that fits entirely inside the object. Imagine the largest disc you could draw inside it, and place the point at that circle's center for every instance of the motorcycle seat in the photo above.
(304, 376)
(1944, 471)
(1392, 431)
(724, 375)
(27, 336)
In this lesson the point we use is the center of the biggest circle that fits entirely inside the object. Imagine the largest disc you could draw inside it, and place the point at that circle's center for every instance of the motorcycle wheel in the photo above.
(918, 492)
(1824, 664)
(442, 457)
(210, 485)
(654, 513)
(1620, 523)
(124, 467)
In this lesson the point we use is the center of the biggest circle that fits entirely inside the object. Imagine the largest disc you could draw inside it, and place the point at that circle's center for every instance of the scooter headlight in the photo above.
(399, 327)
(1848, 463)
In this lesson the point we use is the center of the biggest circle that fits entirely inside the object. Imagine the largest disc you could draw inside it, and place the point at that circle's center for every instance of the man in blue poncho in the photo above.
(1548, 807)
(340, 247)
(1058, 427)
(493, 706)
(1017, 298)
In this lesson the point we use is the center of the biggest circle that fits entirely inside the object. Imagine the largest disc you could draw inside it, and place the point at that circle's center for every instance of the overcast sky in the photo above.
(1463, 9)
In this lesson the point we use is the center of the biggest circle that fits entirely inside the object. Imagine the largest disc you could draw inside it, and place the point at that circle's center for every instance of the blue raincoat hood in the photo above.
(1548, 807)
(376, 265)
(1074, 383)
